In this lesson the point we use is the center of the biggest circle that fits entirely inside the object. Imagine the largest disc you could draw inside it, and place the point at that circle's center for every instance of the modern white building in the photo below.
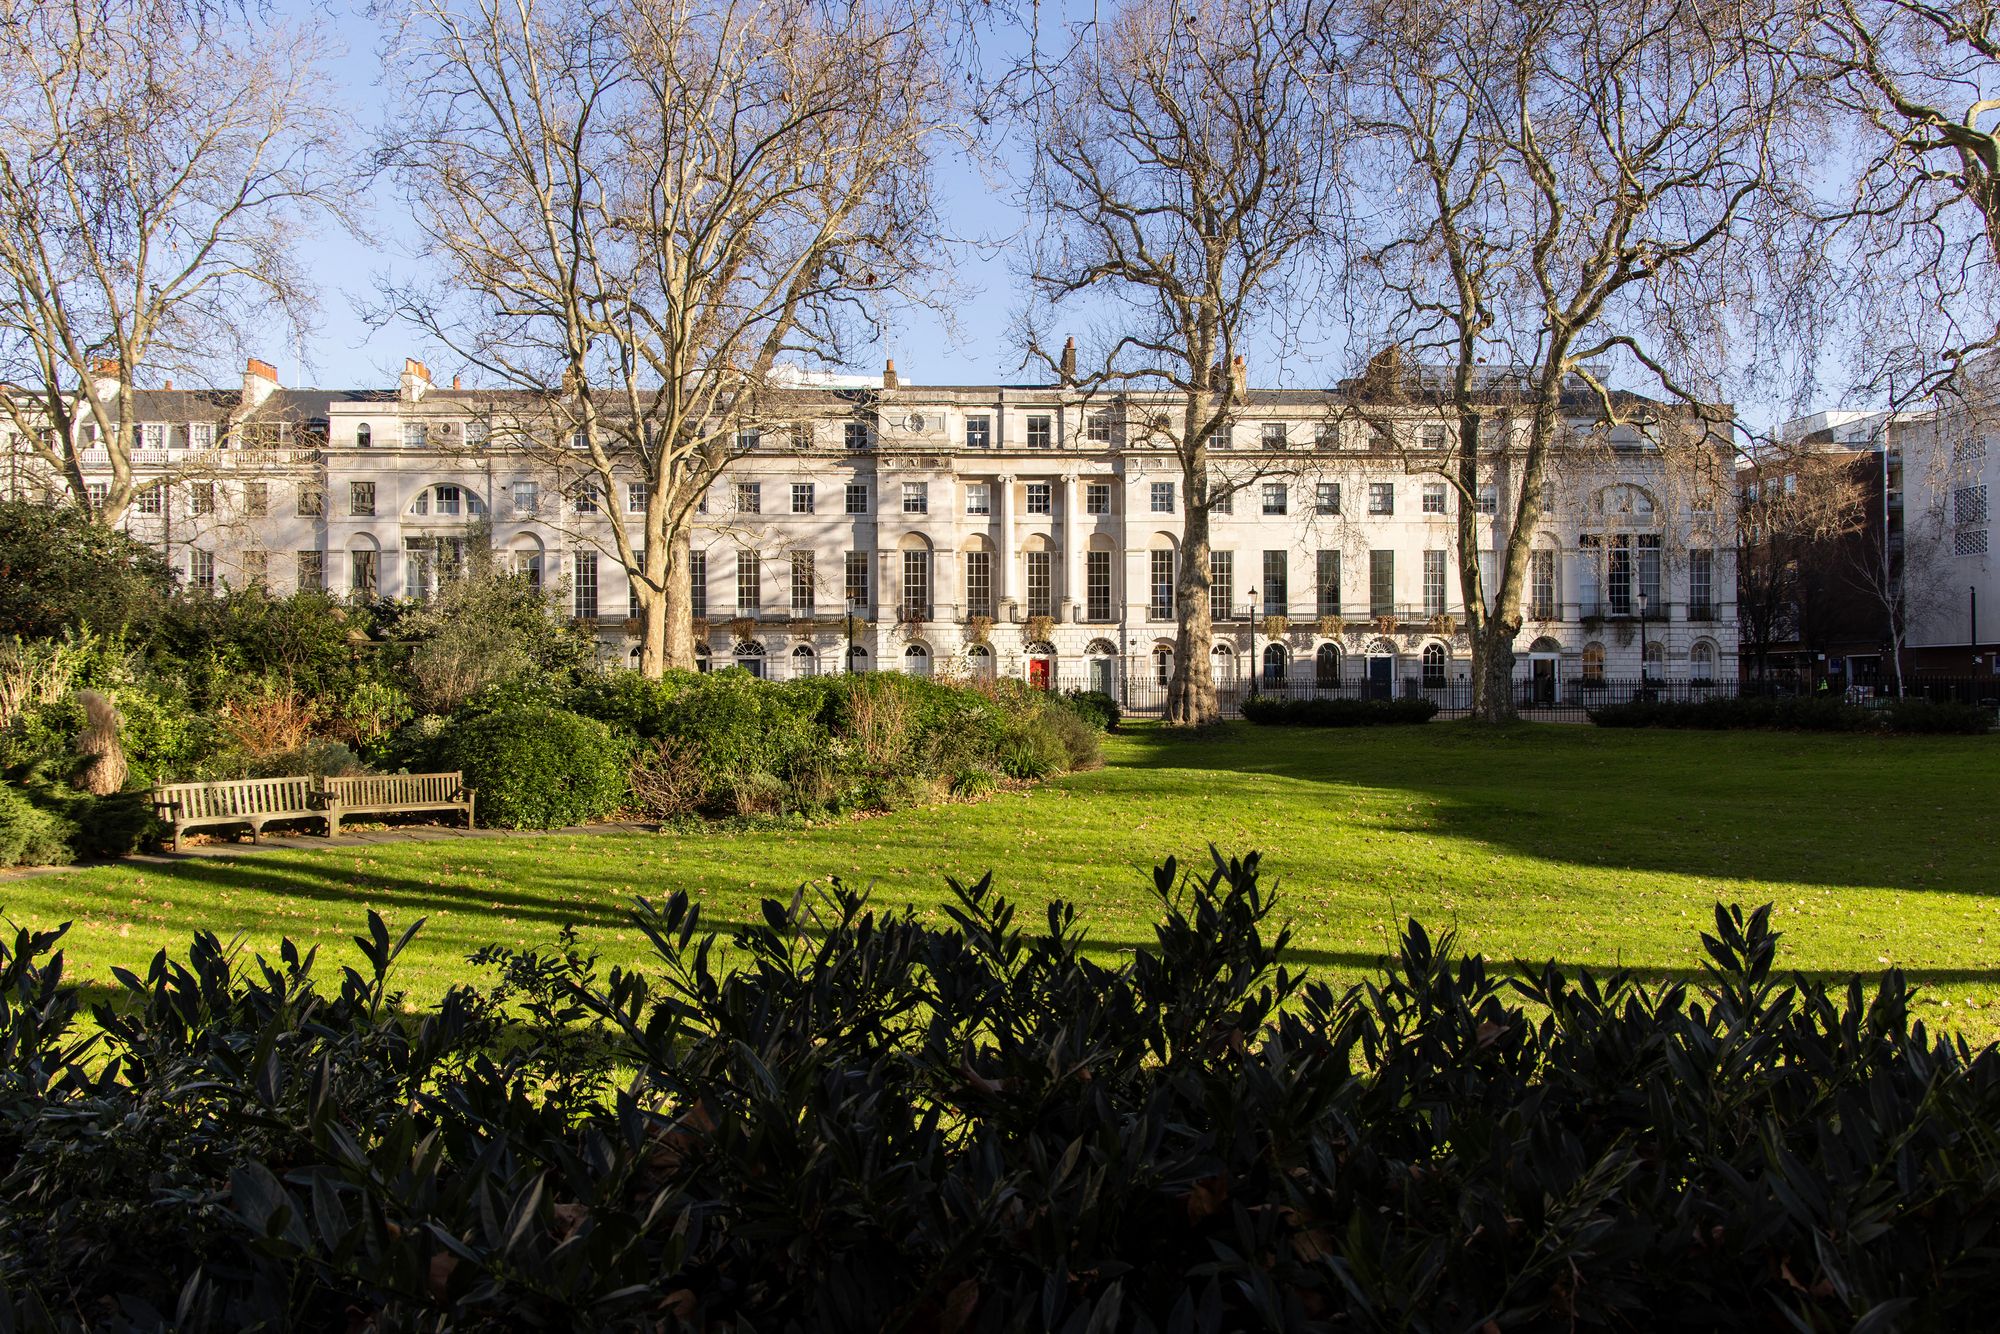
(1027, 530)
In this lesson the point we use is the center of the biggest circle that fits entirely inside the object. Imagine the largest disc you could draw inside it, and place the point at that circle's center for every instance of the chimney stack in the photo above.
(260, 381)
(104, 377)
(889, 380)
(457, 382)
(1068, 362)
(1238, 376)
(415, 380)
(169, 384)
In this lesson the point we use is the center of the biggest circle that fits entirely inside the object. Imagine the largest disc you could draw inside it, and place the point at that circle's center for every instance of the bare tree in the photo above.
(1566, 185)
(1920, 235)
(1181, 181)
(637, 210)
(159, 164)
(1797, 519)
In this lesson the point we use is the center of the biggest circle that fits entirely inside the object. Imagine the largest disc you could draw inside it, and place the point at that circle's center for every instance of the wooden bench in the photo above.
(385, 794)
(252, 801)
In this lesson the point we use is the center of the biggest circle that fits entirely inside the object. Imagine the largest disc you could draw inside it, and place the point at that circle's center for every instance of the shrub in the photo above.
(866, 1119)
(1795, 714)
(316, 757)
(537, 768)
(1095, 707)
(1923, 715)
(31, 835)
(59, 571)
(1279, 711)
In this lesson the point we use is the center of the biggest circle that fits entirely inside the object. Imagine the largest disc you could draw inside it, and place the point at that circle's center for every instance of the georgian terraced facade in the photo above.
(1019, 530)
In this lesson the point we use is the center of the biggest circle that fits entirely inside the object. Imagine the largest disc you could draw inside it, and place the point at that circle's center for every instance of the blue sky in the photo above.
(975, 347)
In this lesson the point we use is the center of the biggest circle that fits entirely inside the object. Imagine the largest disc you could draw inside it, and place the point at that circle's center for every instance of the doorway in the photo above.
(1381, 677)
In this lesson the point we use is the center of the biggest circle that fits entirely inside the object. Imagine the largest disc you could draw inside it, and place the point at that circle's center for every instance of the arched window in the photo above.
(1163, 664)
(1223, 659)
(917, 660)
(857, 659)
(1656, 662)
(805, 662)
(1593, 662)
(704, 660)
(750, 657)
(979, 660)
(1701, 662)
(1274, 664)
(1434, 660)
(364, 436)
(1326, 665)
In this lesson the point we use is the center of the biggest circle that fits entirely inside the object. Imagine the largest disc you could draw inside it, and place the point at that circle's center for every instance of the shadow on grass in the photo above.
(1832, 810)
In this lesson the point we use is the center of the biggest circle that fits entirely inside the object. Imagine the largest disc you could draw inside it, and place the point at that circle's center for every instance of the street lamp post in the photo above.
(851, 604)
(1255, 667)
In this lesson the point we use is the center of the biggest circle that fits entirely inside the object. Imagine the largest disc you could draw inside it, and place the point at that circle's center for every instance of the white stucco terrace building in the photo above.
(1017, 529)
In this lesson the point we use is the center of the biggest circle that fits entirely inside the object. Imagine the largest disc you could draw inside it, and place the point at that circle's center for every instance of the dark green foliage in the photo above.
(59, 571)
(1797, 714)
(873, 1122)
(32, 834)
(1280, 711)
(1095, 707)
(1937, 716)
(534, 767)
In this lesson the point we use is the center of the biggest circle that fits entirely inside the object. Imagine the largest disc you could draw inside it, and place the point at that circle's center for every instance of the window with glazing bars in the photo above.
(1434, 583)
(1277, 580)
(1649, 572)
(802, 583)
(585, 585)
(1542, 585)
(1221, 584)
(917, 585)
(1381, 583)
(855, 582)
(1161, 607)
(749, 575)
(979, 583)
(1041, 584)
(1701, 582)
(698, 584)
(1097, 585)
(1327, 583)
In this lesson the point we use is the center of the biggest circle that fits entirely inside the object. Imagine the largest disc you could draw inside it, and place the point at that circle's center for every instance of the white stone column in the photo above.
(1003, 565)
(1072, 547)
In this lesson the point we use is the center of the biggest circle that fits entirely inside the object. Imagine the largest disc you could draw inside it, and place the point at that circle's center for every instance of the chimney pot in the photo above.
(260, 381)
(263, 370)
(170, 382)
(889, 380)
(457, 382)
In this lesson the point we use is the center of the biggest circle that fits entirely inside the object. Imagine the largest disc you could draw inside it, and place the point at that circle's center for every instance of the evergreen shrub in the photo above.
(534, 767)
(858, 1118)
(1280, 711)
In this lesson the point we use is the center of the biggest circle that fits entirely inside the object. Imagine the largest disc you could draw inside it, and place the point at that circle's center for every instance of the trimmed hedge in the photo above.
(1279, 711)
(1796, 714)
(534, 767)
(864, 1120)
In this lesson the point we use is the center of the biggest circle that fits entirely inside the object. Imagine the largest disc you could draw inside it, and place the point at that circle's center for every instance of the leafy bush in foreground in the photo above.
(875, 1122)
(1276, 710)
(538, 768)
(1795, 714)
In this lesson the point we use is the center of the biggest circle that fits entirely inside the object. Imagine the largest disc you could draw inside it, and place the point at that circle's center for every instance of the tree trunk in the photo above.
(1191, 700)
(1493, 665)
(666, 631)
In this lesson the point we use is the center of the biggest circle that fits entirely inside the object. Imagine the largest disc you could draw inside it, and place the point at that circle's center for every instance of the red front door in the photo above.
(1038, 673)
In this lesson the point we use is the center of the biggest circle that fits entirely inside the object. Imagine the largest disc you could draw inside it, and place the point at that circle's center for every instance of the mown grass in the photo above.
(1598, 847)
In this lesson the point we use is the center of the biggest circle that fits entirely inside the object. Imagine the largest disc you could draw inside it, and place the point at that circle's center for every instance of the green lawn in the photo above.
(1589, 846)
